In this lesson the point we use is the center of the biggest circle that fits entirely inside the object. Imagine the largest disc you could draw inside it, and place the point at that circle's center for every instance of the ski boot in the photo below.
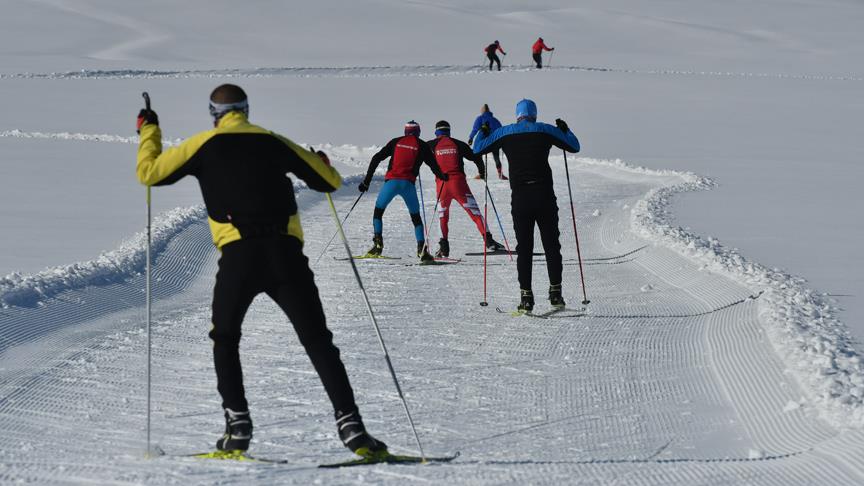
(555, 297)
(443, 248)
(492, 245)
(423, 253)
(238, 431)
(501, 175)
(377, 246)
(527, 303)
(353, 434)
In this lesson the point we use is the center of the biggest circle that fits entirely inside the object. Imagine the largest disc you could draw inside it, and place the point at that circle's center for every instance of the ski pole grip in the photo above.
(146, 100)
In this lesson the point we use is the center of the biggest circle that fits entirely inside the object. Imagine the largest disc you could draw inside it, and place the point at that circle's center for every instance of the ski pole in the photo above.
(498, 217)
(422, 203)
(434, 215)
(500, 225)
(485, 302)
(147, 296)
(371, 313)
(585, 300)
(337, 232)
(550, 59)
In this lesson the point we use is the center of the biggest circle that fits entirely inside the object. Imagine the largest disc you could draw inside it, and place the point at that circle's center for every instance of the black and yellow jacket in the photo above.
(243, 173)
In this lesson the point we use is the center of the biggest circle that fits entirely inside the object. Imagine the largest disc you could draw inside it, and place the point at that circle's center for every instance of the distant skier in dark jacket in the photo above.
(449, 153)
(243, 173)
(407, 153)
(537, 51)
(491, 53)
(487, 118)
(527, 144)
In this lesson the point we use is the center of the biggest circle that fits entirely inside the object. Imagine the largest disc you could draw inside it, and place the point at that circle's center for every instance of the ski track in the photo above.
(627, 398)
(399, 71)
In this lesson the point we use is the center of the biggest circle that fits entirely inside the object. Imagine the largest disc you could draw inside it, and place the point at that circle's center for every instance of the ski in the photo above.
(432, 263)
(236, 455)
(367, 257)
(501, 252)
(388, 458)
(552, 313)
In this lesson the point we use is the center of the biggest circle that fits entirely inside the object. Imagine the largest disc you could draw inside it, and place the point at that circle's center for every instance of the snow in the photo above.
(753, 375)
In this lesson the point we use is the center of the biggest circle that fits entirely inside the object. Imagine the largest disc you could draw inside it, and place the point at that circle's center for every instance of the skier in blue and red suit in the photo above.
(407, 154)
(450, 154)
(526, 144)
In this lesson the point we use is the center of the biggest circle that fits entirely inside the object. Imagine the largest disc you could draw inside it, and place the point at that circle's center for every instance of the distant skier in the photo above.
(242, 170)
(407, 153)
(487, 118)
(526, 144)
(449, 153)
(492, 53)
(537, 51)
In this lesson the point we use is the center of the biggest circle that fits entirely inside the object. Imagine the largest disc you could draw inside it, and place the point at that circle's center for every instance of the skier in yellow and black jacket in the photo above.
(243, 173)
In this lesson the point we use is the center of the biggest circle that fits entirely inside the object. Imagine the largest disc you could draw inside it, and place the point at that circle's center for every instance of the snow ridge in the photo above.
(802, 325)
(83, 137)
(127, 260)
(390, 71)
(112, 266)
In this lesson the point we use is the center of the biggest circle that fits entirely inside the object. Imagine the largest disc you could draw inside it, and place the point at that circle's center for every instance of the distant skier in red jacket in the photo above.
(537, 51)
(491, 52)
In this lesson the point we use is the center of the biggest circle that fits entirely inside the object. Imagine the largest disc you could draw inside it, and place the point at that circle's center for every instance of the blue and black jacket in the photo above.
(487, 117)
(526, 145)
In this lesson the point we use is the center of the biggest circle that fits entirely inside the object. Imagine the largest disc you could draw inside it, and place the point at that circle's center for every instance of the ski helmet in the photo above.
(442, 128)
(412, 128)
(526, 109)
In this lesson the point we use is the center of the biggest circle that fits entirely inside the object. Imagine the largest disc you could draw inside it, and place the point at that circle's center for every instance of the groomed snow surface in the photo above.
(697, 362)
(687, 368)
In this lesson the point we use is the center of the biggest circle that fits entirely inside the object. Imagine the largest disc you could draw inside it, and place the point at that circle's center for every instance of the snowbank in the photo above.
(802, 324)
(125, 261)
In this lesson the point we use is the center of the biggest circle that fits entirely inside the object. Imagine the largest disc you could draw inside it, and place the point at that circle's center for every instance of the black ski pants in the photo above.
(538, 59)
(536, 204)
(276, 266)
(493, 58)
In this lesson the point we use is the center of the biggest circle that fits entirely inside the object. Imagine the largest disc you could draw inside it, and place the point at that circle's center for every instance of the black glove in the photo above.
(363, 187)
(444, 177)
(146, 116)
(562, 125)
(470, 141)
(323, 156)
(485, 129)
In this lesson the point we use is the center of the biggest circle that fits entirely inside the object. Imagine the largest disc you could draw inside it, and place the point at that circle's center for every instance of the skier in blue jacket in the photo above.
(487, 118)
(527, 144)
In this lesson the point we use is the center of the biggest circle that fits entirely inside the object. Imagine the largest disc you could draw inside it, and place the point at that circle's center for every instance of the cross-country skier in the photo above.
(491, 53)
(526, 144)
(537, 51)
(242, 170)
(450, 154)
(487, 118)
(407, 153)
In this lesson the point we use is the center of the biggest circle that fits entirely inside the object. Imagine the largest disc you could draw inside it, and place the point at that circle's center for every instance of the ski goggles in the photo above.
(218, 110)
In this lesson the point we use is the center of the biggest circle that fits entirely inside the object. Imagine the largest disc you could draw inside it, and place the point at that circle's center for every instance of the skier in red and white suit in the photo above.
(449, 153)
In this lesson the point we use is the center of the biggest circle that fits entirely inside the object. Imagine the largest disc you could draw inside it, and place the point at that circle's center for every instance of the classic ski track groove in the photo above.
(693, 395)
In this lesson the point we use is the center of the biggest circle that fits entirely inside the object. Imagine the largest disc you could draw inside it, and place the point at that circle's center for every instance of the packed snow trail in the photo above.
(624, 395)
